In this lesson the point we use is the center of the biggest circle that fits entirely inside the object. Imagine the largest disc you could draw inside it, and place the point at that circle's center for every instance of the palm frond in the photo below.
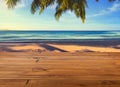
(40, 4)
(76, 6)
(11, 3)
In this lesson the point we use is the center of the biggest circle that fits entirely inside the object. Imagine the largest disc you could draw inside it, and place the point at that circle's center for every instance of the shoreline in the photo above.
(82, 46)
(97, 42)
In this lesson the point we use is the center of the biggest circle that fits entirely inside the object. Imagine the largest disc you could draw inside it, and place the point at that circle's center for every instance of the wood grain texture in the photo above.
(50, 69)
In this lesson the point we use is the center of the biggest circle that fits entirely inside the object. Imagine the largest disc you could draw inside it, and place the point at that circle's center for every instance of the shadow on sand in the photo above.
(51, 48)
(46, 46)
(10, 50)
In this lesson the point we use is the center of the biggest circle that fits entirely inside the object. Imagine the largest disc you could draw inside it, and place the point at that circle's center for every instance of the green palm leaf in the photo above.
(11, 3)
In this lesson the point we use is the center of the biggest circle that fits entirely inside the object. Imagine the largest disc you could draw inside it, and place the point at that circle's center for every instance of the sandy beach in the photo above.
(66, 46)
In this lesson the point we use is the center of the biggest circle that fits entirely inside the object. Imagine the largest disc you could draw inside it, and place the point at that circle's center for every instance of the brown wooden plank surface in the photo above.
(34, 69)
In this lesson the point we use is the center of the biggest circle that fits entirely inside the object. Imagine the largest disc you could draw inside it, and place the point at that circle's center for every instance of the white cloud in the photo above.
(20, 4)
(114, 8)
(2, 4)
(53, 7)
(24, 3)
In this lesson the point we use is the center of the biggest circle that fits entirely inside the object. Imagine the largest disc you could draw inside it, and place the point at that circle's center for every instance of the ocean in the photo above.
(47, 36)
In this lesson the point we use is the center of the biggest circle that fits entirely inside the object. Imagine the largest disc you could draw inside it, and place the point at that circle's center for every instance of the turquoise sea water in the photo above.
(39, 36)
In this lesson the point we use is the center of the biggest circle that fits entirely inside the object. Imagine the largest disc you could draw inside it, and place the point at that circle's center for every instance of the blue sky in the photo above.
(99, 16)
